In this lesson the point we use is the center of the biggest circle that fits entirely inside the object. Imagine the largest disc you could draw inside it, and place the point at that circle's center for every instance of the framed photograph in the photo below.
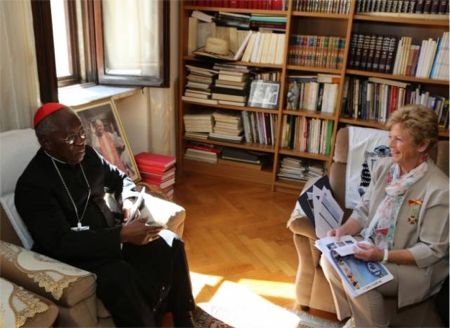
(105, 134)
(264, 94)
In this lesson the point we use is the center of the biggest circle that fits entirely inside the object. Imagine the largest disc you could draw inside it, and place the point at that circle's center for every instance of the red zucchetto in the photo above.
(46, 110)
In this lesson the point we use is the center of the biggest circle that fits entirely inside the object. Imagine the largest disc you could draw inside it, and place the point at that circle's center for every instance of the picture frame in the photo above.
(105, 133)
(264, 94)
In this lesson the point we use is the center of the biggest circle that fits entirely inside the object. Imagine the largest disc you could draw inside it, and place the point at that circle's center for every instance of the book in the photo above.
(199, 100)
(156, 160)
(358, 276)
(305, 200)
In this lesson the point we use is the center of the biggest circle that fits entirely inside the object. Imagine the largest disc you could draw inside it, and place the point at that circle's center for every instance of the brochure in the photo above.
(318, 203)
(358, 276)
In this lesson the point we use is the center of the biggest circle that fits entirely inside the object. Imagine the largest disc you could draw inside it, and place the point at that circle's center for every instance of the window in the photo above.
(130, 34)
(65, 41)
(106, 41)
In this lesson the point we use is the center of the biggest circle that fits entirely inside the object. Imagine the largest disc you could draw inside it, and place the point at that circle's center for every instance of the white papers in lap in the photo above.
(327, 212)
(357, 276)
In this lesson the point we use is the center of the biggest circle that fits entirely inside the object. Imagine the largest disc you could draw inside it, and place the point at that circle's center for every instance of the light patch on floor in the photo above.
(200, 281)
(239, 307)
(269, 288)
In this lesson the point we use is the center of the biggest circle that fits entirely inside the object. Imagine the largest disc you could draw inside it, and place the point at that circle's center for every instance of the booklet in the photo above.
(358, 276)
(319, 205)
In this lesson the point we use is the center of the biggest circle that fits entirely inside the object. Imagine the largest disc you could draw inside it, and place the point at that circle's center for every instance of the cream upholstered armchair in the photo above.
(37, 291)
(312, 289)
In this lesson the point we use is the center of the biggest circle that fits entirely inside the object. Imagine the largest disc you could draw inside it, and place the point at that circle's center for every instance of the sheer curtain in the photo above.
(19, 86)
(131, 48)
(163, 101)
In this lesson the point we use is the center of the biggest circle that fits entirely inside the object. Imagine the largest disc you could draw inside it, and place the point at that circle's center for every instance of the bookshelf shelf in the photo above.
(308, 113)
(296, 153)
(396, 77)
(377, 125)
(443, 132)
(303, 29)
(239, 10)
(366, 123)
(320, 15)
(247, 146)
(407, 19)
(238, 108)
(194, 58)
(314, 69)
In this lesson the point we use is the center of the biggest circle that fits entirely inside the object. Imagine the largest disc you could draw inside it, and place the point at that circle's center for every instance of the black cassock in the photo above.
(136, 283)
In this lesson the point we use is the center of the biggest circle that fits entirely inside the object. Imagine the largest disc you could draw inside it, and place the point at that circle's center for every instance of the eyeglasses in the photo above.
(70, 140)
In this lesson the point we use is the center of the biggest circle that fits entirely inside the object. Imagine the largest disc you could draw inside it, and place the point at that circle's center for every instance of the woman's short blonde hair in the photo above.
(419, 121)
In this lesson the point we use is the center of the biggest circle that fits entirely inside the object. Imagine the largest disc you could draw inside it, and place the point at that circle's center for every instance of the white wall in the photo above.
(149, 115)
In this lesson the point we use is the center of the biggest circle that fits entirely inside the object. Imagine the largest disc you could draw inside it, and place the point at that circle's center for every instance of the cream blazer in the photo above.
(422, 228)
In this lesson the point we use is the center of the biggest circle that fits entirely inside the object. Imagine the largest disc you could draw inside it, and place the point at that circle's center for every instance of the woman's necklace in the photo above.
(79, 226)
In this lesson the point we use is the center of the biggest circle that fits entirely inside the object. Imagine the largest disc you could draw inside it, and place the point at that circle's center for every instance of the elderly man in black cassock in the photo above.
(60, 196)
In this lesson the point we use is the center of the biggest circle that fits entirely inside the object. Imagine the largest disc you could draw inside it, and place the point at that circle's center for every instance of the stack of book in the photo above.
(315, 93)
(227, 127)
(291, 169)
(296, 169)
(243, 156)
(324, 6)
(231, 86)
(157, 170)
(202, 152)
(198, 125)
(313, 170)
(265, 48)
(317, 51)
(248, 4)
(198, 86)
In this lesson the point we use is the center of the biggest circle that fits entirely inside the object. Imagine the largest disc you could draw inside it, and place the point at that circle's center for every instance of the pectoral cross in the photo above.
(80, 227)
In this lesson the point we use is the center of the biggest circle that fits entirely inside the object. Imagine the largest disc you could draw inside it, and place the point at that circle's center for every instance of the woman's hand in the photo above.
(335, 233)
(369, 253)
(350, 227)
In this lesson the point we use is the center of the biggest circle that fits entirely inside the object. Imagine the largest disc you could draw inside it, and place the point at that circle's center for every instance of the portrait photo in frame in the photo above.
(105, 133)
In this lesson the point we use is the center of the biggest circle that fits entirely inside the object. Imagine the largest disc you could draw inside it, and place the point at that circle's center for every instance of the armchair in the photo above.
(312, 289)
(67, 293)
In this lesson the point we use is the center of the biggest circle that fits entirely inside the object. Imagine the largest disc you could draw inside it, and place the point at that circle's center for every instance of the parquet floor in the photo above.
(236, 231)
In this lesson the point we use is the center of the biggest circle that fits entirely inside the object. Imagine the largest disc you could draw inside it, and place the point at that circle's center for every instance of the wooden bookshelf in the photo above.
(343, 25)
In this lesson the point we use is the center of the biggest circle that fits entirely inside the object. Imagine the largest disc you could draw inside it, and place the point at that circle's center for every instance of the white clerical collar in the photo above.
(54, 158)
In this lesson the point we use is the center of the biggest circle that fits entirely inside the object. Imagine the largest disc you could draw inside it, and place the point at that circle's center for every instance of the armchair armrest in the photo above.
(302, 226)
(61, 283)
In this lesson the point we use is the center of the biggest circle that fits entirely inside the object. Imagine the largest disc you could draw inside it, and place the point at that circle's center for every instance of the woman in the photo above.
(405, 216)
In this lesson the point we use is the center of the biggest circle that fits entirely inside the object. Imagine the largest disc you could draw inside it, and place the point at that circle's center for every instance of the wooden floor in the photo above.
(236, 231)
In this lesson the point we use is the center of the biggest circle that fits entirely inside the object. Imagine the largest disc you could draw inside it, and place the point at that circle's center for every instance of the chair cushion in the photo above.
(60, 282)
(365, 146)
(22, 308)
(17, 147)
(7, 202)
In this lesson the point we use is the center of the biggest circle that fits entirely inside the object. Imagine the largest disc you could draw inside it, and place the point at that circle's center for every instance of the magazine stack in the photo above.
(198, 125)
(227, 127)
(158, 171)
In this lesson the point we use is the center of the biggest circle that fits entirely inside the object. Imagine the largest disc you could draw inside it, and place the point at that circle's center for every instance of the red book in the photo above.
(205, 148)
(143, 168)
(157, 175)
(157, 183)
(155, 160)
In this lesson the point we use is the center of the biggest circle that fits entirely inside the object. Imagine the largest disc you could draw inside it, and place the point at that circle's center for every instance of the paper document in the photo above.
(318, 203)
(137, 204)
(358, 276)
(327, 212)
